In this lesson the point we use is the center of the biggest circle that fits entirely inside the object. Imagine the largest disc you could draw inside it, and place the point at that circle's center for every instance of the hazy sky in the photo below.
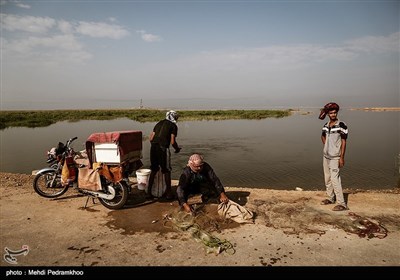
(192, 54)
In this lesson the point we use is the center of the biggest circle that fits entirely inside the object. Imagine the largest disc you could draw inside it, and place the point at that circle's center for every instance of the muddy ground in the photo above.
(290, 228)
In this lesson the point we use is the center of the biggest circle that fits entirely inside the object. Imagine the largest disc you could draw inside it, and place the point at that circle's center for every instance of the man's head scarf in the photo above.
(328, 107)
(195, 160)
(172, 116)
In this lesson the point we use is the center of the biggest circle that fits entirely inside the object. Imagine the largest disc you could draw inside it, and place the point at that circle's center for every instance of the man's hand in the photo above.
(341, 162)
(187, 208)
(223, 198)
(177, 150)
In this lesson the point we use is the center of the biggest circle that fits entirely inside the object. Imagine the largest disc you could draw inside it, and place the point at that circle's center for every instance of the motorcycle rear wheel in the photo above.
(45, 186)
(121, 196)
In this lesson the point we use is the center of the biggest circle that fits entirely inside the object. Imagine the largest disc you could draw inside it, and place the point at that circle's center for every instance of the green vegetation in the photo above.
(44, 118)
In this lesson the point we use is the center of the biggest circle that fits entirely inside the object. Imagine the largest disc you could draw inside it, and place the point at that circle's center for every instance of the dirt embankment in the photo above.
(290, 228)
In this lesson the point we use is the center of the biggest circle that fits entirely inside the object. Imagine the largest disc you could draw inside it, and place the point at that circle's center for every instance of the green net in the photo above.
(186, 222)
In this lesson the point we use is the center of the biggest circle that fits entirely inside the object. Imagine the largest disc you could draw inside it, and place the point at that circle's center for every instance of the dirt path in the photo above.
(291, 229)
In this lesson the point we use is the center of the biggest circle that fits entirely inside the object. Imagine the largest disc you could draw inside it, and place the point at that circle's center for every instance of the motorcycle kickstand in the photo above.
(87, 200)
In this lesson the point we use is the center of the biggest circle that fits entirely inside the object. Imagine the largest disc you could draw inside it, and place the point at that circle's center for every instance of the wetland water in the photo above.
(273, 153)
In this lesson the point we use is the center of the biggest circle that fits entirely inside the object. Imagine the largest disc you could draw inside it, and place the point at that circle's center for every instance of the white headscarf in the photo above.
(195, 160)
(172, 116)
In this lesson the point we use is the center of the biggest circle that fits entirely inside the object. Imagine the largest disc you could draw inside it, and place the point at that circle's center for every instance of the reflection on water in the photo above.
(274, 153)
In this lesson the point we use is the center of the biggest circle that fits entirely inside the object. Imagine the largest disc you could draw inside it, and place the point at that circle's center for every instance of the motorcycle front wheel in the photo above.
(121, 195)
(48, 184)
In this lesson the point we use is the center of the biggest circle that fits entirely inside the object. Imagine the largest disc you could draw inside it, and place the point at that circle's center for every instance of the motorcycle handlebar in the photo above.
(71, 140)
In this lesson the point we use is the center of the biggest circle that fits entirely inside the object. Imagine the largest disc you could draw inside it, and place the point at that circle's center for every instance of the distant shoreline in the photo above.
(379, 109)
(43, 118)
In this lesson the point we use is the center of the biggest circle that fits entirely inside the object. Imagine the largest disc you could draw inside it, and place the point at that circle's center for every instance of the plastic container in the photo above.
(107, 152)
(142, 177)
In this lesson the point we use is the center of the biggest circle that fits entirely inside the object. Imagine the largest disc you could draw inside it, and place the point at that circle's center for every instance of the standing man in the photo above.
(334, 137)
(164, 134)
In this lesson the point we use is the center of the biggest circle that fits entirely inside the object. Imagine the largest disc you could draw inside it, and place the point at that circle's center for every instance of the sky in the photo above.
(199, 54)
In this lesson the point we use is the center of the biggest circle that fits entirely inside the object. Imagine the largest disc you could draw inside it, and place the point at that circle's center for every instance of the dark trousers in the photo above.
(160, 157)
(207, 191)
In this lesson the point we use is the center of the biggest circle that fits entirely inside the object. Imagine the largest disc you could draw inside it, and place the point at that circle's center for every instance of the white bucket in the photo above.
(142, 176)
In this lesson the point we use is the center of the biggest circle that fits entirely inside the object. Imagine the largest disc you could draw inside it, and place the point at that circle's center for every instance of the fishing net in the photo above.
(186, 222)
(294, 217)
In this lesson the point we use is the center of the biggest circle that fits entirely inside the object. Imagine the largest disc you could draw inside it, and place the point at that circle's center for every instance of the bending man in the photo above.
(199, 177)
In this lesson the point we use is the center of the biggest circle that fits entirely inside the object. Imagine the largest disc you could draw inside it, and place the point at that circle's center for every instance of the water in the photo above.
(272, 153)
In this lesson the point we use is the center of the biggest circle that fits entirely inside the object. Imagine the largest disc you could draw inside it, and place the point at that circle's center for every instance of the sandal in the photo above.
(326, 202)
(339, 208)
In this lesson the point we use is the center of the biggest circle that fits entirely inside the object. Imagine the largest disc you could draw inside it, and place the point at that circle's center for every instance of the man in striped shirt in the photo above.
(334, 137)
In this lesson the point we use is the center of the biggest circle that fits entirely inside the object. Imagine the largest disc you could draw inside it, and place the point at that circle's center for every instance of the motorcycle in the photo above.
(95, 172)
